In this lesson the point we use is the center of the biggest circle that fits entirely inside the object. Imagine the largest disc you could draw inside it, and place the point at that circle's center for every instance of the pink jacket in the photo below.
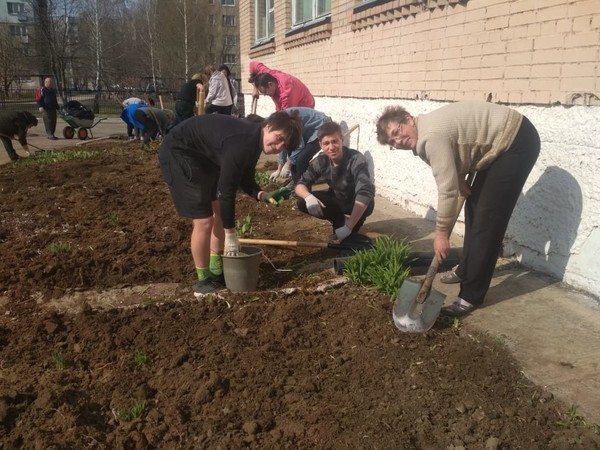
(291, 92)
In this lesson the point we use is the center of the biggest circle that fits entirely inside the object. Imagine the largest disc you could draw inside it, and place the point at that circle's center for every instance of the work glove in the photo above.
(286, 171)
(276, 197)
(232, 244)
(342, 233)
(41, 109)
(275, 175)
(314, 206)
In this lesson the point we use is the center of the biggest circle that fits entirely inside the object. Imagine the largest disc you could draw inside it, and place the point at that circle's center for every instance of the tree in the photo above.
(12, 59)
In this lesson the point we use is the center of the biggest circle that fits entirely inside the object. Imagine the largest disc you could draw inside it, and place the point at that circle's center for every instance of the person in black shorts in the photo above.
(204, 160)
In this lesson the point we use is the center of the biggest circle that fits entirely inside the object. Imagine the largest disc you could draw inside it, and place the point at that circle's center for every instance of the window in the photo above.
(15, 8)
(229, 21)
(18, 30)
(211, 19)
(229, 58)
(265, 19)
(306, 10)
(229, 40)
(228, 2)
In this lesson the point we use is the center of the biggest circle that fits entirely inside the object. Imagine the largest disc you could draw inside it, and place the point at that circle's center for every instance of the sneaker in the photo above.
(131, 138)
(15, 157)
(450, 277)
(53, 138)
(459, 308)
(209, 285)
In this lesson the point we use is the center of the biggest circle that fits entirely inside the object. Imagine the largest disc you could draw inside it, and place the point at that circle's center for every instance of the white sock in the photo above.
(461, 302)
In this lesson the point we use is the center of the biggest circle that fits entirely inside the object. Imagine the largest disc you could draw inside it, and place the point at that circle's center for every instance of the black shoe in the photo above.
(14, 158)
(209, 285)
(460, 308)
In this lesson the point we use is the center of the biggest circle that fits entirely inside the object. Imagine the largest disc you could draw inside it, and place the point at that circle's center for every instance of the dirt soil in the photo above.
(306, 361)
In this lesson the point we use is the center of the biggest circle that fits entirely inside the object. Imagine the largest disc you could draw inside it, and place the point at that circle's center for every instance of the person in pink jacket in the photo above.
(286, 90)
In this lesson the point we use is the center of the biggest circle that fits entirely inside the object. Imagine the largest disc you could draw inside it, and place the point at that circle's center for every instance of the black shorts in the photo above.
(192, 181)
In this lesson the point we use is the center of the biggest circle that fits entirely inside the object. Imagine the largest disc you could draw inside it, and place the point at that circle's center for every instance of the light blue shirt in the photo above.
(311, 122)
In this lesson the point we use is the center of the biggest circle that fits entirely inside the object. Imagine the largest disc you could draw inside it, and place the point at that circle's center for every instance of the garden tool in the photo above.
(417, 306)
(254, 105)
(351, 244)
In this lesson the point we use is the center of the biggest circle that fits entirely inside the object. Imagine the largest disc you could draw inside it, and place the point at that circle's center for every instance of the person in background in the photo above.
(15, 123)
(299, 158)
(497, 143)
(218, 99)
(203, 161)
(185, 102)
(286, 90)
(350, 198)
(133, 133)
(152, 122)
(48, 106)
(232, 88)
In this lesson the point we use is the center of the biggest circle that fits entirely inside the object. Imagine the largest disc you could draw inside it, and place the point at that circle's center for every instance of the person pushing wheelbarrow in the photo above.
(497, 143)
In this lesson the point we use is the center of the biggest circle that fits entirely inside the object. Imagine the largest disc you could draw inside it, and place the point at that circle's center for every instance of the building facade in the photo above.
(541, 58)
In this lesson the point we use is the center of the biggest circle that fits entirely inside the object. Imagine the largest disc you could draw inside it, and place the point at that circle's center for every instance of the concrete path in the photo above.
(553, 331)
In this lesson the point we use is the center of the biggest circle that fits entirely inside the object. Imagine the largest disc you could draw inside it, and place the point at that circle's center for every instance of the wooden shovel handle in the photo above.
(435, 264)
(254, 104)
(284, 243)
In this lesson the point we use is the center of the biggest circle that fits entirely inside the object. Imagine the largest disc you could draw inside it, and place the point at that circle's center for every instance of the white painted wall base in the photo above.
(554, 228)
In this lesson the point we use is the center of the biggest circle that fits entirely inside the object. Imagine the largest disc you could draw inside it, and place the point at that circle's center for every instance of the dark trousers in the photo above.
(333, 211)
(49, 116)
(12, 154)
(303, 159)
(210, 109)
(150, 130)
(183, 110)
(494, 195)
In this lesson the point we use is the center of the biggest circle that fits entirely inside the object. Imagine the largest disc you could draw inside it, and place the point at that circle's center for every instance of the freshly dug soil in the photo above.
(306, 361)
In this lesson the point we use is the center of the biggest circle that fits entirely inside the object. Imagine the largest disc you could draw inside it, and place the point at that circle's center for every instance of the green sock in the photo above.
(216, 264)
(203, 273)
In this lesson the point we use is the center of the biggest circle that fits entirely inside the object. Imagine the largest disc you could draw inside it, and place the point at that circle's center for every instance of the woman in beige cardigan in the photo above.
(499, 144)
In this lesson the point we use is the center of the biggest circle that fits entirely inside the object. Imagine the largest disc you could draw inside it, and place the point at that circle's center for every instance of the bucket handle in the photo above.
(273, 265)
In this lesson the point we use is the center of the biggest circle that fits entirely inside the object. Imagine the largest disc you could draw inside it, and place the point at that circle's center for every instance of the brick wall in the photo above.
(524, 51)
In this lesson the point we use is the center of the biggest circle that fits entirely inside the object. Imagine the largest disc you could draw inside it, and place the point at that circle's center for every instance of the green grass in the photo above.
(59, 360)
(135, 412)
(41, 158)
(382, 266)
(57, 248)
(140, 358)
(114, 219)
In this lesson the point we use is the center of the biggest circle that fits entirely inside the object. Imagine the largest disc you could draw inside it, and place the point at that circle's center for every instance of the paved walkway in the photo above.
(553, 331)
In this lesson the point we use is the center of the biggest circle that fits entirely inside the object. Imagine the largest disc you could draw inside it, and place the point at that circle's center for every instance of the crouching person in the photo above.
(204, 160)
(350, 198)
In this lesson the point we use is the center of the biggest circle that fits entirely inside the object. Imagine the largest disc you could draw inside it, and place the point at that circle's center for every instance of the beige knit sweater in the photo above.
(460, 138)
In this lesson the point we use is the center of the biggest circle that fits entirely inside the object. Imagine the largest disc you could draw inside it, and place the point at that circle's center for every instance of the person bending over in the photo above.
(284, 89)
(350, 198)
(500, 145)
(15, 123)
(204, 160)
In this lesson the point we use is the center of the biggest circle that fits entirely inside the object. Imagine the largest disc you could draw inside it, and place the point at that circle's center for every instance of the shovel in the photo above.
(352, 243)
(417, 306)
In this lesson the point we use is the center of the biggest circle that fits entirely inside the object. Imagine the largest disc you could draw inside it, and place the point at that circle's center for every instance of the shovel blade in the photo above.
(413, 317)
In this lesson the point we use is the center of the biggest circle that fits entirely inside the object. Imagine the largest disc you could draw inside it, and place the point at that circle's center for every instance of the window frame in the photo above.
(227, 4)
(228, 18)
(269, 20)
(20, 7)
(315, 16)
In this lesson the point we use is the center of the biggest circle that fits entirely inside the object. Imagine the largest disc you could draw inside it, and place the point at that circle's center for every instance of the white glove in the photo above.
(275, 175)
(41, 109)
(314, 206)
(342, 232)
(232, 244)
(286, 172)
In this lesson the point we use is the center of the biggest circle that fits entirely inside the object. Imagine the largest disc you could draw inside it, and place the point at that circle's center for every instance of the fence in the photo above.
(100, 102)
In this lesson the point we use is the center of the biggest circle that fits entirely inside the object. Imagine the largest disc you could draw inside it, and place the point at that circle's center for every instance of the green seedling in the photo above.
(136, 411)
(57, 248)
(262, 178)
(59, 360)
(498, 340)
(456, 325)
(140, 358)
(244, 229)
(114, 219)
(51, 157)
(382, 266)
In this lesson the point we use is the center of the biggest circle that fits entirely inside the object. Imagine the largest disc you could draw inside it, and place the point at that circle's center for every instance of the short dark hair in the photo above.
(290, 124)
(394, 113)
(263, 80)
(328, 129)
(255, 118)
